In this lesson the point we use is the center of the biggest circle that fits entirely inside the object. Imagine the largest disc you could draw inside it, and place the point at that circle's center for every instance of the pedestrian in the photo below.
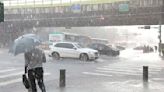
(162, 51)
(155, 48)
(33, 67)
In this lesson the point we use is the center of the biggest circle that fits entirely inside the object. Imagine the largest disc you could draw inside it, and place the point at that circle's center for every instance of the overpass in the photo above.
(102, 13)
(19, 17)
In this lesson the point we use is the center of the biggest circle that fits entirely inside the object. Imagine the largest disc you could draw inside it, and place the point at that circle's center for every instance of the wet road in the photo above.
(114, 74)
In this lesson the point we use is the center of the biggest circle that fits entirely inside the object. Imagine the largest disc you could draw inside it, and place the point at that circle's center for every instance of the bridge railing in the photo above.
(86, 10)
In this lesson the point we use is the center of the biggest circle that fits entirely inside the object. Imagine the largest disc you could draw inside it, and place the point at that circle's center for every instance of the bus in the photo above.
(69, 37)
(99, 40)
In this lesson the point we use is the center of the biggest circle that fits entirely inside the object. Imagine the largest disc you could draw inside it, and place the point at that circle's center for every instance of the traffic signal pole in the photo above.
(1, 12)
(160, 40)
(160, 28)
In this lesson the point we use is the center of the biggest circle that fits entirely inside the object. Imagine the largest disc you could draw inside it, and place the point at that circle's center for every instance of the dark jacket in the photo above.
(34, 59)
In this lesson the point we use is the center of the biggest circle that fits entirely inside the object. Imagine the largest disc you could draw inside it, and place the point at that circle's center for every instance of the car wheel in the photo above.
(84, 57)
(55, 56)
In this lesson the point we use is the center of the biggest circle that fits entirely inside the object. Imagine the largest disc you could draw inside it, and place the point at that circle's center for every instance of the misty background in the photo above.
(129, 36)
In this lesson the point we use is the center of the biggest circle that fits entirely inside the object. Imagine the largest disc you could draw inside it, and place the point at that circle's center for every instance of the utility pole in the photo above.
(1, 12)
(160, 40)
(160, 27)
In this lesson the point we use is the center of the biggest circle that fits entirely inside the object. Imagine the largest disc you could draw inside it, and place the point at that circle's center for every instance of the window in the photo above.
(59, 45)
(64, 45)
(69, 46)
(78, 45)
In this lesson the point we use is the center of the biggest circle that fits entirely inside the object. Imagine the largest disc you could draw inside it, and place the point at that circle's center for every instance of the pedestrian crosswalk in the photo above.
(11, 75)
(123, 70)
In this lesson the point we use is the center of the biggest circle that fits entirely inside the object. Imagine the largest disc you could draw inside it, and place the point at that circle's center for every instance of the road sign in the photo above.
(76, 8)
(123, 7)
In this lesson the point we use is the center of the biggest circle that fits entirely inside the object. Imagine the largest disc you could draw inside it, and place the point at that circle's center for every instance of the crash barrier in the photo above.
(145, 73)
(62, 78)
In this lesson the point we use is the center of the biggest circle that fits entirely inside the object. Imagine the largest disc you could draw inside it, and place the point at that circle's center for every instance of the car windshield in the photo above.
(78, 45)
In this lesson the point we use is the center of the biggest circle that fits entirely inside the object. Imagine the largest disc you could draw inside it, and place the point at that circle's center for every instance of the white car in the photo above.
(72, 50)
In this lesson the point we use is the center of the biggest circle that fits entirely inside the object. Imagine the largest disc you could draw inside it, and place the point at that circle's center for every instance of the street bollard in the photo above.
(62, 78)
(145, 73)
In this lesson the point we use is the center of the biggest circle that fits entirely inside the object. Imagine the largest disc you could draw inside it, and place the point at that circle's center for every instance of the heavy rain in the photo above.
(81, 45)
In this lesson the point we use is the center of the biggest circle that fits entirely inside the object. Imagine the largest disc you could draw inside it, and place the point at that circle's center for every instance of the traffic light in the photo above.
(1, 12)
(146, 27)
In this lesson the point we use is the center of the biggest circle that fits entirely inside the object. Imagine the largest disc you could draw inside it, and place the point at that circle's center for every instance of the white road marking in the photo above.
(12, 74)
(123, 70)
(7, 70)
(126, 70)
(117, 72)
(98, 74)
(1, 52)
(136, 67)
(8, 82)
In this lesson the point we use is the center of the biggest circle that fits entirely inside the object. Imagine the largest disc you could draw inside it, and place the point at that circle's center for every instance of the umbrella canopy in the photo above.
(33, 36)
(24, 43)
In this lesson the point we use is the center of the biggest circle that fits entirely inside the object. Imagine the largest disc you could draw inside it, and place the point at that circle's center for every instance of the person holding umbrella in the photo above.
(33, 66)
(34, 58)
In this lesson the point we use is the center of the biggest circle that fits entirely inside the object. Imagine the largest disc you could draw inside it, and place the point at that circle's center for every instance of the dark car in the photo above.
(105, 49)
(139, 48)
(120, 47)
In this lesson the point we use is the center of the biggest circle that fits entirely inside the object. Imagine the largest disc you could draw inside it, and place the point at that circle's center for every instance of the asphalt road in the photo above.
(107, 74)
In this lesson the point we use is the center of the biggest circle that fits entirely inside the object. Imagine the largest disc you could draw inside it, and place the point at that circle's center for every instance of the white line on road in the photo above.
(15, 80)
(117, 72)
(12, 74)
(1, 52)
(98, 74)
(7, 70)
(123, 71)
(130, 69)
(10, 82)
